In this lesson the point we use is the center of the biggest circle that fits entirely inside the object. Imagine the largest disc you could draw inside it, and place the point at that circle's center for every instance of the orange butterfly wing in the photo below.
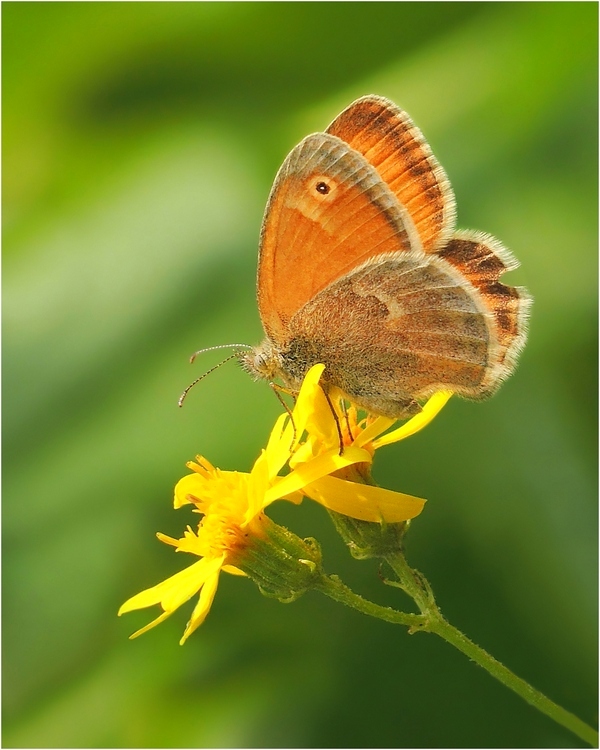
(386, 136)
(368, 186)
(360, 269)
(329, 210)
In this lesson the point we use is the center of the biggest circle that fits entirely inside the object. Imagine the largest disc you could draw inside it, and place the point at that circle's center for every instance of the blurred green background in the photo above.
(140, 142)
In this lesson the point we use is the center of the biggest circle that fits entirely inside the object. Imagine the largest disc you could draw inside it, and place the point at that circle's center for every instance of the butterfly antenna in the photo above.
(208, 372)
(220, 346)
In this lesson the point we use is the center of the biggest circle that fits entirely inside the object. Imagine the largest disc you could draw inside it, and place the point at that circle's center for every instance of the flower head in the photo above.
(348, 491)
(234, 526)
(230, 517)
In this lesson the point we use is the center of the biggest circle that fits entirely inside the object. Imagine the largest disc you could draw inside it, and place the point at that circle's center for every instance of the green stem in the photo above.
(431, 620)
(561, 716)
(333, 587)
(416, 586)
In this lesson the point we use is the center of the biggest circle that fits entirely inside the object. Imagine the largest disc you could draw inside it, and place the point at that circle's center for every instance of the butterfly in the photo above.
(361, 269)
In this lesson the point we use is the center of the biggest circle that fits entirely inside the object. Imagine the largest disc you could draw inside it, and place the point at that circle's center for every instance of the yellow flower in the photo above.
(232, 503)
(362, 431)
(223, 498)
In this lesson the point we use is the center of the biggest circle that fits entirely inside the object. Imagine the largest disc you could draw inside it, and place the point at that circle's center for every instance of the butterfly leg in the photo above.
(278, 390)
(347, 419)
(335, 416)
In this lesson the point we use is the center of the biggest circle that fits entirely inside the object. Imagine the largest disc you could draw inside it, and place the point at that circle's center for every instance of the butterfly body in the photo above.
(360, 269)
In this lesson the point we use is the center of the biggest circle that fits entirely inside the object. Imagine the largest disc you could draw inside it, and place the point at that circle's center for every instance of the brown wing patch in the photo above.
(482, 260)
(386, 136)
(395, 330)
(328, 212)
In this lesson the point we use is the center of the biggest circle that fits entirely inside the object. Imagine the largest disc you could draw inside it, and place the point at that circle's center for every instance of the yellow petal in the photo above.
(379, 425)
(310, 400)
(431, 409)
(312, 470)
(256, 484)
(323, 424)
(201, 609)
(279, 445)
(170, 589)
(363, 501)
(167, 539)
(191, 484)
(189, 584)
(303, 453)
(150, 625)
(232, 570)
(294, 497)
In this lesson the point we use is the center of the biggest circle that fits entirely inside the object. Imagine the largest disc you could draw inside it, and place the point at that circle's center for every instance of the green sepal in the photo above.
(366, 539)
(281, 564)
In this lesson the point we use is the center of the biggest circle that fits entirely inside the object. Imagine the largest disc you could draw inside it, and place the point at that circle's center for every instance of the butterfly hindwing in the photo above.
(397, 328)
(482, 259)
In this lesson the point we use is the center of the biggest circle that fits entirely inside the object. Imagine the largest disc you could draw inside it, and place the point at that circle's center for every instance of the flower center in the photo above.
(223, 504)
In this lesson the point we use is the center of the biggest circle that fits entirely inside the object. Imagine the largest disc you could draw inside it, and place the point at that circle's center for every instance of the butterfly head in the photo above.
(263, 362)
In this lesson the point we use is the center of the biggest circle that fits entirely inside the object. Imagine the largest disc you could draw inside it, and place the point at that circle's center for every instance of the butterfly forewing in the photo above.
(386, 136)
(329, 211)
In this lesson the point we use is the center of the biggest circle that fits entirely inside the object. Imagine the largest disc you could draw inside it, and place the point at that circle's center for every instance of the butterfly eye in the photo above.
(322, 187)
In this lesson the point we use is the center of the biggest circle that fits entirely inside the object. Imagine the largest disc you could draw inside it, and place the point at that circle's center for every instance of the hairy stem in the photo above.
(431, 620)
